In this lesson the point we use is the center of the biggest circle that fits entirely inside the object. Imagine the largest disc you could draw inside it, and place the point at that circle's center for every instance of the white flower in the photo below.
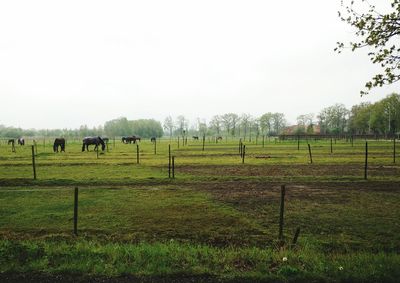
(284, 259)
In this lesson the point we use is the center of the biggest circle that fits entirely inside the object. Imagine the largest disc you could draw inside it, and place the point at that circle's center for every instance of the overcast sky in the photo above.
(68, 63)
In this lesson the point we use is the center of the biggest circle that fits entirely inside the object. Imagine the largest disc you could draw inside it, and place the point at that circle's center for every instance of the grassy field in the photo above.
(218, 220)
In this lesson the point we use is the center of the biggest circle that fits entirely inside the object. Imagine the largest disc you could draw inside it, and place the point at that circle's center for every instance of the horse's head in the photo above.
(103, 145)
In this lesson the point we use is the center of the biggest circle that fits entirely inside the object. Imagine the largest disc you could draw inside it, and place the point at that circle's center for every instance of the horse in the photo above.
(11, 141)
(59, 142)
(21, 141)
(219, 138)
(131, 139)
(106, 140)
(93, 140)
(153, 139)
(195, 137)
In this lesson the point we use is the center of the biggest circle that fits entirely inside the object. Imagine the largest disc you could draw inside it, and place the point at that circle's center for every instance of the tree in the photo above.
(118, 127)
(360, 118)
(215, 124)
(182, 125)
(333, 119)
(169, 125)
(266, 123)
(379, 33)
(230, 121)
(245, 123)
(147, 128)
(279, 122)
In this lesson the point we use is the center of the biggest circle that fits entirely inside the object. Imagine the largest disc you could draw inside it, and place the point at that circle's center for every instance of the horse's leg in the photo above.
(83, 147)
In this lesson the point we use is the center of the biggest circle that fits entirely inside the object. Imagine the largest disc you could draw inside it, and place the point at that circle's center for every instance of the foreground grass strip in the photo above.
(173, 258)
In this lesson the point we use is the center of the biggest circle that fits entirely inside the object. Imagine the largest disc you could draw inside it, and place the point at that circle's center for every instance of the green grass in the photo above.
(217, 218)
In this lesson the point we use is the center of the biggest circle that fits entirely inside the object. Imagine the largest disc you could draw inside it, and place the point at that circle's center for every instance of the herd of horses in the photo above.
(59, 143)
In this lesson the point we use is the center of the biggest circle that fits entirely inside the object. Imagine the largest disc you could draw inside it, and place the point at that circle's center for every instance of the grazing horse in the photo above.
(153, 139)
(219, 138)
(131, 139)
(106, 140)
(93, 140)
(11, 141)
(21, 141)
(59, 142)
(195, 137)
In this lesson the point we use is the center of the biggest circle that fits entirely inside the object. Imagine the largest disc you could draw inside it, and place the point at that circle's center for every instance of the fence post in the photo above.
(281, 211)
(366, 161)
(298, 142)
(263, 140)
(244, 153)
(35, 144)
(309, 151)
(155, 146)
(173, 167)
(204, 140)
(178, 142)
(137, 153)
(394, 149)
(331, 146)
(33, 163)
(76, 211)
(169, 161)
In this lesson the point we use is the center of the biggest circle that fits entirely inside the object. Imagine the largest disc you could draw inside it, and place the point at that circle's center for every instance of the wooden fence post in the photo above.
(263, 140)
(298, 142)
(35, 144)
(394, 149)
(243, 153)
(169, 161)
(155, 146)
(204, 140)
(366, 161)
(281, 211)
(137, 153)
(309, 151)
(33, 163)
(178, 142)
(331, 146)
(76, 212)
(173, 167)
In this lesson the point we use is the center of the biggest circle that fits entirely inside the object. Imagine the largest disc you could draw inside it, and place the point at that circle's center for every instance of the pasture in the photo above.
(218, 219)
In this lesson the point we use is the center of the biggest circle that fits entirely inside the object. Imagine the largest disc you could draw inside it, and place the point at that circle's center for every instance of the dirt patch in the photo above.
(288, 170)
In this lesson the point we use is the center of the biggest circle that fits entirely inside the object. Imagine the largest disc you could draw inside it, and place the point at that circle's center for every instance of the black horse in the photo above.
(219, 138)
(106, 140)
(21, 141)
(59, 142)
(93, 140)
(153, 139)
(11, 141)
(195, 137)
(131, 139)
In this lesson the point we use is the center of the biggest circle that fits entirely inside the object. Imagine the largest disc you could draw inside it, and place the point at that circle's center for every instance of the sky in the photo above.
(69, 63)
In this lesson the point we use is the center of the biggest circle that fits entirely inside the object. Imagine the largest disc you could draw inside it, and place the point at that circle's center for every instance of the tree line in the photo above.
(381, 118)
